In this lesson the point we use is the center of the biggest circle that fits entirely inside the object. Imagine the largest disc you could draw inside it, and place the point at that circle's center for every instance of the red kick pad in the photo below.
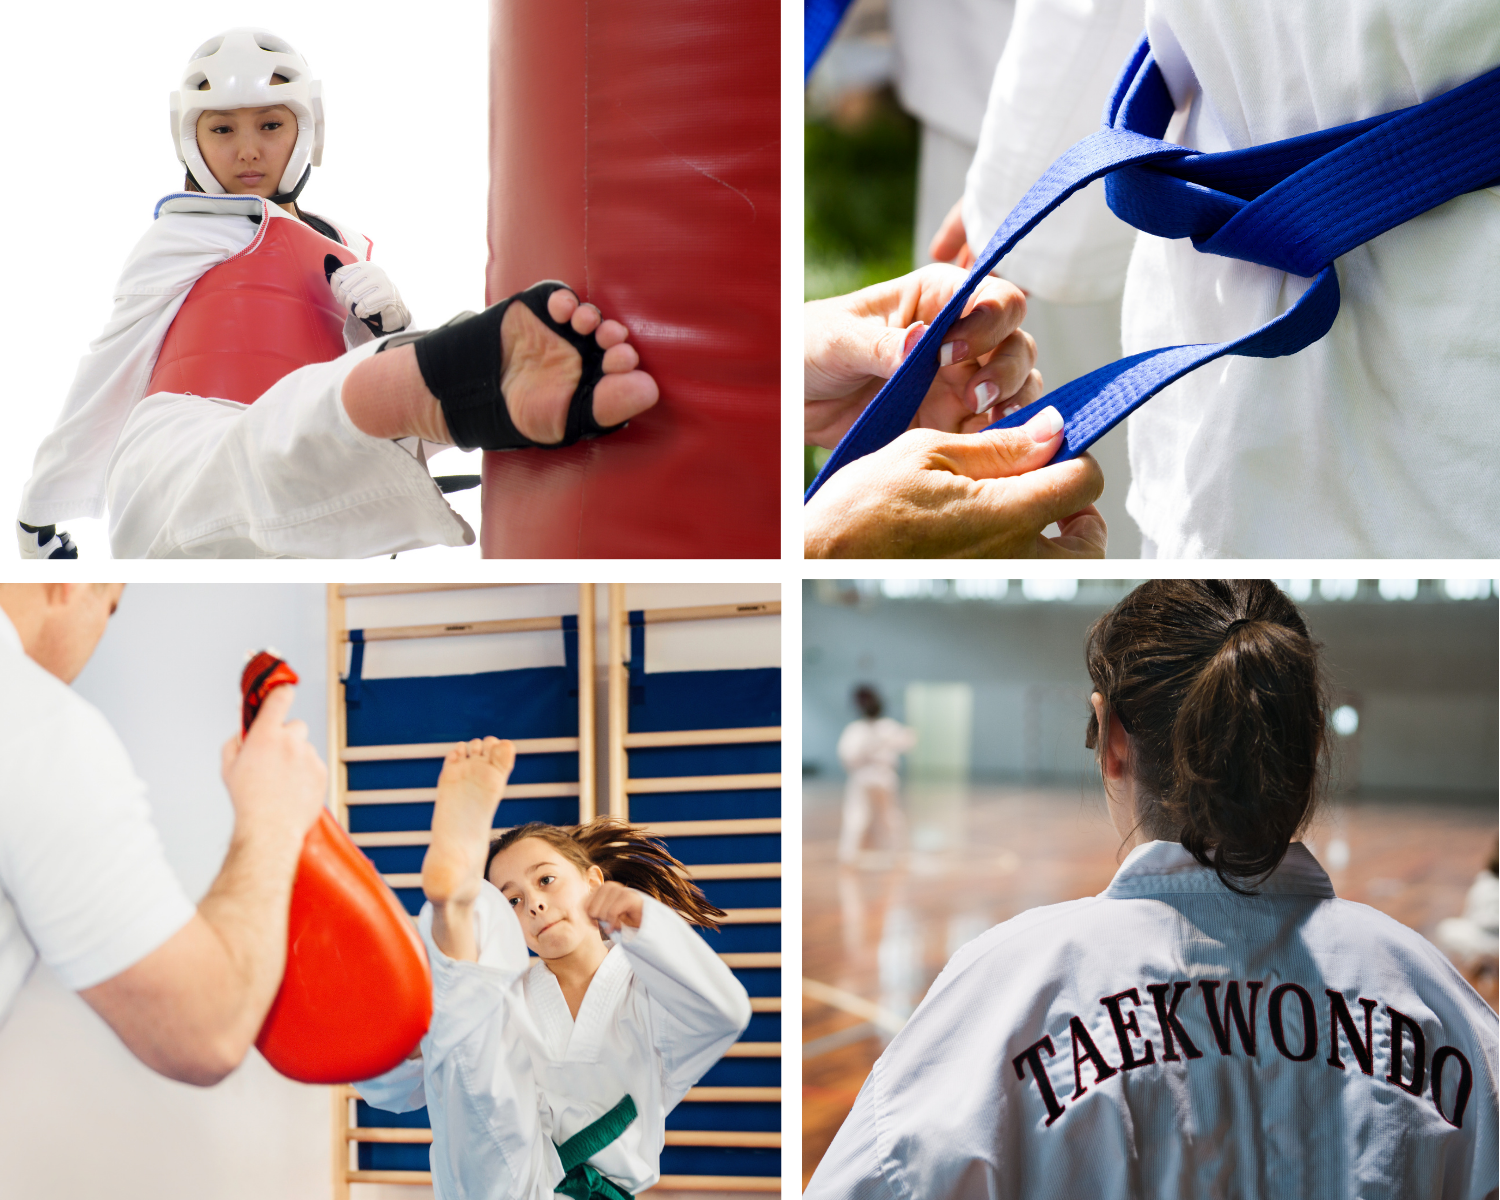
(255, 318)
(357, 994)
(649, 181)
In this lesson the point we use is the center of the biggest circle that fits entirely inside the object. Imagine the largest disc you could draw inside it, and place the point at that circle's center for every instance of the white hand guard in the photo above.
(44, 541)
(367, 291)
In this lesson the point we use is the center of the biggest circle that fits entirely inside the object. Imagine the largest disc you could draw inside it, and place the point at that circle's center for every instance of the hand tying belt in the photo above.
(1294, 205)
(583, 1182)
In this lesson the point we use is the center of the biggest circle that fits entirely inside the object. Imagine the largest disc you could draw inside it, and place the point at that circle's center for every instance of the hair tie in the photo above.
(1233, 625)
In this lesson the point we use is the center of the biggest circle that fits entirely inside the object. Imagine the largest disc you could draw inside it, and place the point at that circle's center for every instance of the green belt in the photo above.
(582, 1182)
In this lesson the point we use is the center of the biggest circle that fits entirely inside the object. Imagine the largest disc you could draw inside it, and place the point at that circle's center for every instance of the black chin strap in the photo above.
(291, 196)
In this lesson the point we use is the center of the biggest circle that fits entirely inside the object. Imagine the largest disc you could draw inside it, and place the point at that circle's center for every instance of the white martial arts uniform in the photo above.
(84, 883)
(946, 52)
(1153, 1041)
(507, 1074)
(1377, 440)
(198, 477)
(870, 752)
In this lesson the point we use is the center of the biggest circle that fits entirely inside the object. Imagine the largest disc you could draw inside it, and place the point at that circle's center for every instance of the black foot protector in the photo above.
(460, 363)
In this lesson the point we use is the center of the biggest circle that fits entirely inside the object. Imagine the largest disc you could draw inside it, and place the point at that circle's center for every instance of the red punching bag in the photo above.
(635, 151)
(255, 318)
(357, 994)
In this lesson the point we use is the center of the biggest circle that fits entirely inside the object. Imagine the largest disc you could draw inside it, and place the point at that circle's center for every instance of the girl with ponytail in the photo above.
(554, 1074)
(1216, 1022)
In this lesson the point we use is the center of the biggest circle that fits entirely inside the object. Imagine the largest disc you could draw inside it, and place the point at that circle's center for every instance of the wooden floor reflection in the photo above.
(875, 936)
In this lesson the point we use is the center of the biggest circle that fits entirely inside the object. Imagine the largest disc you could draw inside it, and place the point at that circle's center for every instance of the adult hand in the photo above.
(950, 244)
(854, 343)
(615, 906)
(275, 778)
(367, 291)
(987, 495)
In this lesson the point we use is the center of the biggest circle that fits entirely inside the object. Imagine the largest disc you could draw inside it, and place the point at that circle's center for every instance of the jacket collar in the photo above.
(1161, 868)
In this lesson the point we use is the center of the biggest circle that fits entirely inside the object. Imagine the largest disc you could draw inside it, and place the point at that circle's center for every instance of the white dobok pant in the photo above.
(289, 476)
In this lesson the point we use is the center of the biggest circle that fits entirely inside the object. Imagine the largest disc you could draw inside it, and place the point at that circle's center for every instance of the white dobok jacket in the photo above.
(1169, 1038)
(870, 751)
(193, 476)
(507, 1074)
(1378, 440)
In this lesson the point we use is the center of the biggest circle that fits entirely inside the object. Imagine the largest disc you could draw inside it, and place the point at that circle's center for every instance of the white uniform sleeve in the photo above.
(80, 859)
(699, 1008)
(399, 1090)
(1049, 90)
(68, 475)
(851, 1169)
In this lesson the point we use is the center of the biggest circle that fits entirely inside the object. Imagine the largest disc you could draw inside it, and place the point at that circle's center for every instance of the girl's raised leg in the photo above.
(468, 792)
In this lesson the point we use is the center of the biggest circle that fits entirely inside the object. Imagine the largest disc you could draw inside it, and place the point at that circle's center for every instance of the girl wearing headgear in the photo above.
(1216, 1022)
(555, 1074)
(241, 403)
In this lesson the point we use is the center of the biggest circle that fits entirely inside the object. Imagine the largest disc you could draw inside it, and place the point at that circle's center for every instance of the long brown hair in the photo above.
(626, 854)
(1222, 692)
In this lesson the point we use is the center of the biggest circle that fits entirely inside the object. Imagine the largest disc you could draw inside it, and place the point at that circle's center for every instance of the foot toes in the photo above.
(561, 304)
(611, 333)
(620, 397)
(586, 319)
(621, 358)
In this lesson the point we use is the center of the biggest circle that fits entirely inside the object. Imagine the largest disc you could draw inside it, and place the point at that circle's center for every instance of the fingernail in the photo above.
(952, 352)
(986, 394)
(913, 336)
(1046, 425)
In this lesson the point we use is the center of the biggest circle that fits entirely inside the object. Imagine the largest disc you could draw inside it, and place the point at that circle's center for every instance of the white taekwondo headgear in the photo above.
(237, 66)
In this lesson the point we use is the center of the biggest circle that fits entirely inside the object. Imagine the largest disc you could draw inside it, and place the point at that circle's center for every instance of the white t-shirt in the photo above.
(84, 882)
(1154, 1041)
(1378, 440)
(506, 1072)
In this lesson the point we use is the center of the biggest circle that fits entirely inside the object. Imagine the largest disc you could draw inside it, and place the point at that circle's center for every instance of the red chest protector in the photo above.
(255, 318)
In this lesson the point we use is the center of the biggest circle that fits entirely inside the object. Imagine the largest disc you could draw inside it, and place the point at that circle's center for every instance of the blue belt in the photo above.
(819, 19)
(1294, 205)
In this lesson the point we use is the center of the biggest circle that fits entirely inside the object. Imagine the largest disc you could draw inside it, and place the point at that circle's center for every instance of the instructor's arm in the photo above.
(191, 1008)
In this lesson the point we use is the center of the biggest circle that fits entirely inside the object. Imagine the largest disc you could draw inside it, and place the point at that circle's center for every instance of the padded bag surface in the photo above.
(649, 181)
(255, 318)
(356, 997)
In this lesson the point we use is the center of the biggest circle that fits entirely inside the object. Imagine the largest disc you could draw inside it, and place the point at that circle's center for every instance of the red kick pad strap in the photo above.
(255, 318)
(356, 997)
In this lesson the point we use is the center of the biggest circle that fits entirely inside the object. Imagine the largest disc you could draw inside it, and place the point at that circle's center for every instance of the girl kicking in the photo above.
(239, 403)
(555, 1073)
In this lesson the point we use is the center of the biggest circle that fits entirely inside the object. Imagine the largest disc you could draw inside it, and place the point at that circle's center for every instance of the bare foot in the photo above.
(386, 396)
(468, 792)
(541, 370)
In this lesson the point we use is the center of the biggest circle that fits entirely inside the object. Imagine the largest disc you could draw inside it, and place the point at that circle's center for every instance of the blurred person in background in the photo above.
(871, 749)
(1473, 939)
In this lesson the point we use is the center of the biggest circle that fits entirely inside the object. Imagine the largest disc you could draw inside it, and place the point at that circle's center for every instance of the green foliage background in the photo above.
(861, 183)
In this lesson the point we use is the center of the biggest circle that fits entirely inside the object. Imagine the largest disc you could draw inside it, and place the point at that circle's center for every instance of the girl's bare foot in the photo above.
(468, 792)
(386, 396)
(541, 370)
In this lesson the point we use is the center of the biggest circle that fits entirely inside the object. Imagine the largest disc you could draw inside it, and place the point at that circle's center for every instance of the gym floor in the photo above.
(876, 935)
